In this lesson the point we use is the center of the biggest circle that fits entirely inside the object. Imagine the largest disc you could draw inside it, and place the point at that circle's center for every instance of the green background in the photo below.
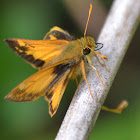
(31, 20)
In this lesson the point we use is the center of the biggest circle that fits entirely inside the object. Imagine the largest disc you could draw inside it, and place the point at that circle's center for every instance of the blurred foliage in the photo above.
(107, 3)
(31, 20)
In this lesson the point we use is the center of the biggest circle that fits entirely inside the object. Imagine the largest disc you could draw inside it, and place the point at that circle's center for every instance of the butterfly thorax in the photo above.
(77, 49)
(81, 50)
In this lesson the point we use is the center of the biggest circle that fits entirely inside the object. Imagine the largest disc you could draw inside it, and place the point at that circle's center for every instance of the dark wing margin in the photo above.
(37, 52)
(21, 51)
(58, 33)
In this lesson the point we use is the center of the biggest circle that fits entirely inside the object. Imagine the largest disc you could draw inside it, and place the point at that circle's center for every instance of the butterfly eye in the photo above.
(86, 51)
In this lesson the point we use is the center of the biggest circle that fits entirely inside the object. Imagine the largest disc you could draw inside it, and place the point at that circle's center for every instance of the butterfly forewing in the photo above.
(37, 52)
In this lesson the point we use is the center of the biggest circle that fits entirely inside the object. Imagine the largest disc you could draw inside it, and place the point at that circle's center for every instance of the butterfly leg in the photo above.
(75, 77)
(98, 75)
(98, 60)
(118, 109)
(102, 57)
(84, 74)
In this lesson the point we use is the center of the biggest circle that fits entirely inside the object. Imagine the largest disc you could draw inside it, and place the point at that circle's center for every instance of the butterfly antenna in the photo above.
(90, 9)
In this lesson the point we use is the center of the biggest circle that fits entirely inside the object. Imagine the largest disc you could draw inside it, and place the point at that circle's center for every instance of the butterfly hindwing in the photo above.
(55, 93)
(38, 53)
(50, 82)
(58, 33)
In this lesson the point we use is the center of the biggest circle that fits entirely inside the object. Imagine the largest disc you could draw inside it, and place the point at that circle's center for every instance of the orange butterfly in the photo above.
(58, 58)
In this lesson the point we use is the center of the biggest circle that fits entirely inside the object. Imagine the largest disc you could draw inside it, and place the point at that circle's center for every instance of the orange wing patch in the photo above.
(55, 94)
(37, 52)
(50, 81)
(33, 87)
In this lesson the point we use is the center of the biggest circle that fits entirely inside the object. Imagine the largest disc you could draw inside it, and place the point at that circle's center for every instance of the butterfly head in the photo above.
(89, 44)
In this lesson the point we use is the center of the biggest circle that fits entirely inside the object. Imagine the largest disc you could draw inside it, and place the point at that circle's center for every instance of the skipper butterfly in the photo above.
(58, 57)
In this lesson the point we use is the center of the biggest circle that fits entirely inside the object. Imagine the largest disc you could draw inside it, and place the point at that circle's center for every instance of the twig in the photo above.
(116, 36)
